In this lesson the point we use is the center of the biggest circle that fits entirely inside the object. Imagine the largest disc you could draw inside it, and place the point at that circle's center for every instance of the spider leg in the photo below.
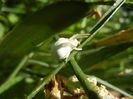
(77, 36)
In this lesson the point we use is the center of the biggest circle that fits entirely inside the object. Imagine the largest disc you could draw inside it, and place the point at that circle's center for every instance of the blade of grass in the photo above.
(99, 25)
(83, 80)
(116, 39)
(112, 86)
(104, 20)
(19, 67)
(126, 4)
(13, 10)
(101, 54)
(45, 81)
(8, 82)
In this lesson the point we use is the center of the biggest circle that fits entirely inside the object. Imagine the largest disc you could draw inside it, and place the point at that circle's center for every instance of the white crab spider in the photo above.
(63, 46)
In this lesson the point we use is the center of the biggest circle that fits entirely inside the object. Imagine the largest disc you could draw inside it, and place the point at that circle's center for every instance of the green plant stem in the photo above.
(12, 10)
(10, 79)
(126, 4)
(83, 80)
(45, 81)
(111, 86)
(19, 67)
(99, 25)
(9, 83)
(103, 20)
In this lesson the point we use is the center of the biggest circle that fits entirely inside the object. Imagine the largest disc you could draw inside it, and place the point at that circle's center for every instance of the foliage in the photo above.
(28, 28)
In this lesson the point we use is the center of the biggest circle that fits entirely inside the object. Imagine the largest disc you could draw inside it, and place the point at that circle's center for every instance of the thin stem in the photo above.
(126, 4)
(11, 78)
(45, 81)
(13, 10)
(19, 67)
(9, 83)
(104, 20)
(106, 17)
(111, 86)
(83, 80)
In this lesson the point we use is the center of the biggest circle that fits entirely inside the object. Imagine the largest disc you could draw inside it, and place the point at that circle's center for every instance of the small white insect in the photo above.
(63, 46)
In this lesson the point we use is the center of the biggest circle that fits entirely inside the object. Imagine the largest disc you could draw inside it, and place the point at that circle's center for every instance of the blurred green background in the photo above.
(113, 64)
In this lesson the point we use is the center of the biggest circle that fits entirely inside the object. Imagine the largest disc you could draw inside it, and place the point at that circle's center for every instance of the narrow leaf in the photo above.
(118, 38)
(39, 27)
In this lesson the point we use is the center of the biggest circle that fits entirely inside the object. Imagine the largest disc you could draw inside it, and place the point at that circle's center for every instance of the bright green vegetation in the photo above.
(29, 28)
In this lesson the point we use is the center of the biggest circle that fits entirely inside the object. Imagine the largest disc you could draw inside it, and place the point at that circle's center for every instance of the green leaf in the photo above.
(39, 27)
(10, 83)
(118, 38)
(121, 81)
(91, 58)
